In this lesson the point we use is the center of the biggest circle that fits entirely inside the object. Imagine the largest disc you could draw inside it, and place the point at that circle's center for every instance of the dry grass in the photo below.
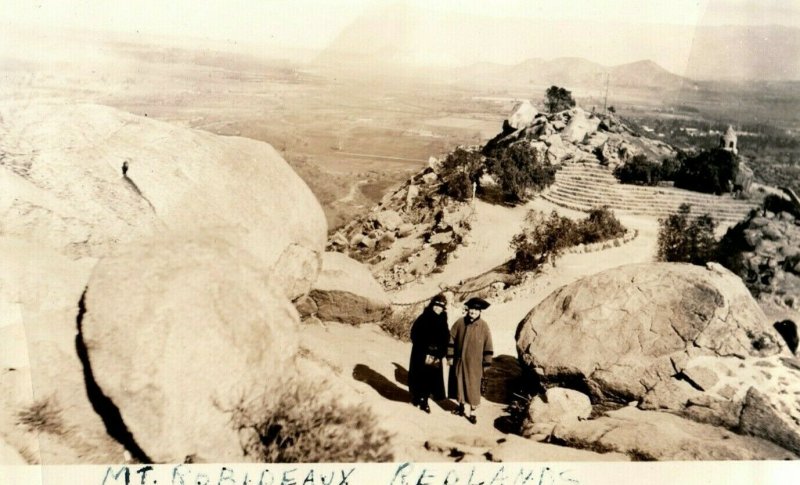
(43, 416)
(299, 422)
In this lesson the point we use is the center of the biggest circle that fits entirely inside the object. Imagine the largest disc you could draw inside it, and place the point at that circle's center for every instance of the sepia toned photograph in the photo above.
(378, 231)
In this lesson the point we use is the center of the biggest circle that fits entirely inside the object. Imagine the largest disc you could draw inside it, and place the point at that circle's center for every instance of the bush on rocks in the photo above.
(292, 424)
(519, 169)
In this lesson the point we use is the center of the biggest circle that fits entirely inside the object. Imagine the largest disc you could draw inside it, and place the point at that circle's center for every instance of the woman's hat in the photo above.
(477, 303)
(439, 299)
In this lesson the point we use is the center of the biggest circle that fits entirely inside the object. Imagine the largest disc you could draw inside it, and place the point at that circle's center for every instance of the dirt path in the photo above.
(372, 368)
(487, 247)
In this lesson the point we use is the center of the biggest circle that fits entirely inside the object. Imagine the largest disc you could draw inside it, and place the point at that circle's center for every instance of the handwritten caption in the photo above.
(371, 474)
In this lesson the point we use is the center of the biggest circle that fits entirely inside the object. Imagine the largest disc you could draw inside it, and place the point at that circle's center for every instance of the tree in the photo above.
(458, 172)
(518, 170)
(683, 240)
(558, 99)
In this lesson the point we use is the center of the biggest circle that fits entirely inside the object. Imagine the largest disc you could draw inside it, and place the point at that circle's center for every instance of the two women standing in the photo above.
(467, 346)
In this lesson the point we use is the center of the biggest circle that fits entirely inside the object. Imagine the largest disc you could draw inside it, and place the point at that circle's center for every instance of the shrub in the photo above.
(712, 171)
(459, 170)
(685, 240)
(544, 239)
(398, 324)
(518, 171)
(558, 99)
(297, 423)
(639, 170)
(600, 225)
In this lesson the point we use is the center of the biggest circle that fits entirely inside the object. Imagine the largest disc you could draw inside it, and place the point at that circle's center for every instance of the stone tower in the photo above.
(728, 141)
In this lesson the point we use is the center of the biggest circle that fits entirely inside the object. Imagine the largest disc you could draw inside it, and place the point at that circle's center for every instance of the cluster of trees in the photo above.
(517, 169)
(711, 171)
(544, 238)
(640, 170)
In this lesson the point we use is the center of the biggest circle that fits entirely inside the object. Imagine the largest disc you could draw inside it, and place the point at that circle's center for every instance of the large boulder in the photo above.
(522, 115)
(650, 435)
(579, 126)
(347, 292)
(658, 315)
(84, 179)
(687, 339)
(178, 332)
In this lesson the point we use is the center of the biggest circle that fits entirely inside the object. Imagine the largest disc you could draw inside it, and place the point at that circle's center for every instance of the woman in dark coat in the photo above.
(429, 337)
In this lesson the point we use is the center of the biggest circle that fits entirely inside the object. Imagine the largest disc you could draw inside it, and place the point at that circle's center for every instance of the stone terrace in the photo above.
(586, 185)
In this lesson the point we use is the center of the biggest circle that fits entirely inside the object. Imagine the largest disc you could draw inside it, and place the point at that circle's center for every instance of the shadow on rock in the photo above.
(384, 386)
(400, 374)
(503, 379)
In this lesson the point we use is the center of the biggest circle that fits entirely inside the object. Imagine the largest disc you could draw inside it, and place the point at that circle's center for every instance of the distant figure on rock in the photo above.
(788, 331)
(469, 354)
(429, 337)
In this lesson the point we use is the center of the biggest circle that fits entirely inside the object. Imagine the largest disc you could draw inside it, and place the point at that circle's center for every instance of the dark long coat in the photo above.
(471, 350)
(429, 335)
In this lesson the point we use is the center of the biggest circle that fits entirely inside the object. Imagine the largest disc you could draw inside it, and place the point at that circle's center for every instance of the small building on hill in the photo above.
(728, 141)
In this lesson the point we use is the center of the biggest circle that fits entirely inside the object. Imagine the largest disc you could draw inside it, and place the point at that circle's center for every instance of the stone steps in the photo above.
(586, 185)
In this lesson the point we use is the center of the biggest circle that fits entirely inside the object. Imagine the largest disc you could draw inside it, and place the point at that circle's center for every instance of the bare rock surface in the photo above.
(85, 178)
(45, 413)
(649, 435)
(580, 125)
(179, 331)
(556, 406)
(523, 115)
(347, 292)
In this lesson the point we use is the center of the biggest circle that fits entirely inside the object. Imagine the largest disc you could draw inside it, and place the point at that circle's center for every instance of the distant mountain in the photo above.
(573, 72)
(745, 53)
(403, 36)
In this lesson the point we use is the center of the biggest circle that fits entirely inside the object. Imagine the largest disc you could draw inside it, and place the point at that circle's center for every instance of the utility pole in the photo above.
(605, 99)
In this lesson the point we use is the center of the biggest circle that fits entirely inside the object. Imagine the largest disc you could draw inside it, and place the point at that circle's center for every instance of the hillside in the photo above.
(155, 239)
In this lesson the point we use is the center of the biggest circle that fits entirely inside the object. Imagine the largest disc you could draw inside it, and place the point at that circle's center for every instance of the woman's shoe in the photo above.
(459, 411)
(426, 408)
(472, 419)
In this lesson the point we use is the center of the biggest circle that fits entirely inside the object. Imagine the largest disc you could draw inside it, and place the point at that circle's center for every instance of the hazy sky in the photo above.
(314, 23)
(606, 31)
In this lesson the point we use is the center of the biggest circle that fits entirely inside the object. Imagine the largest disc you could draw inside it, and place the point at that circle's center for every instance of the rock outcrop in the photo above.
(764, 250)
(203, 241)
(346, 292)
(522, 115)
(686, 339)
(84, 179)
(178, 332)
